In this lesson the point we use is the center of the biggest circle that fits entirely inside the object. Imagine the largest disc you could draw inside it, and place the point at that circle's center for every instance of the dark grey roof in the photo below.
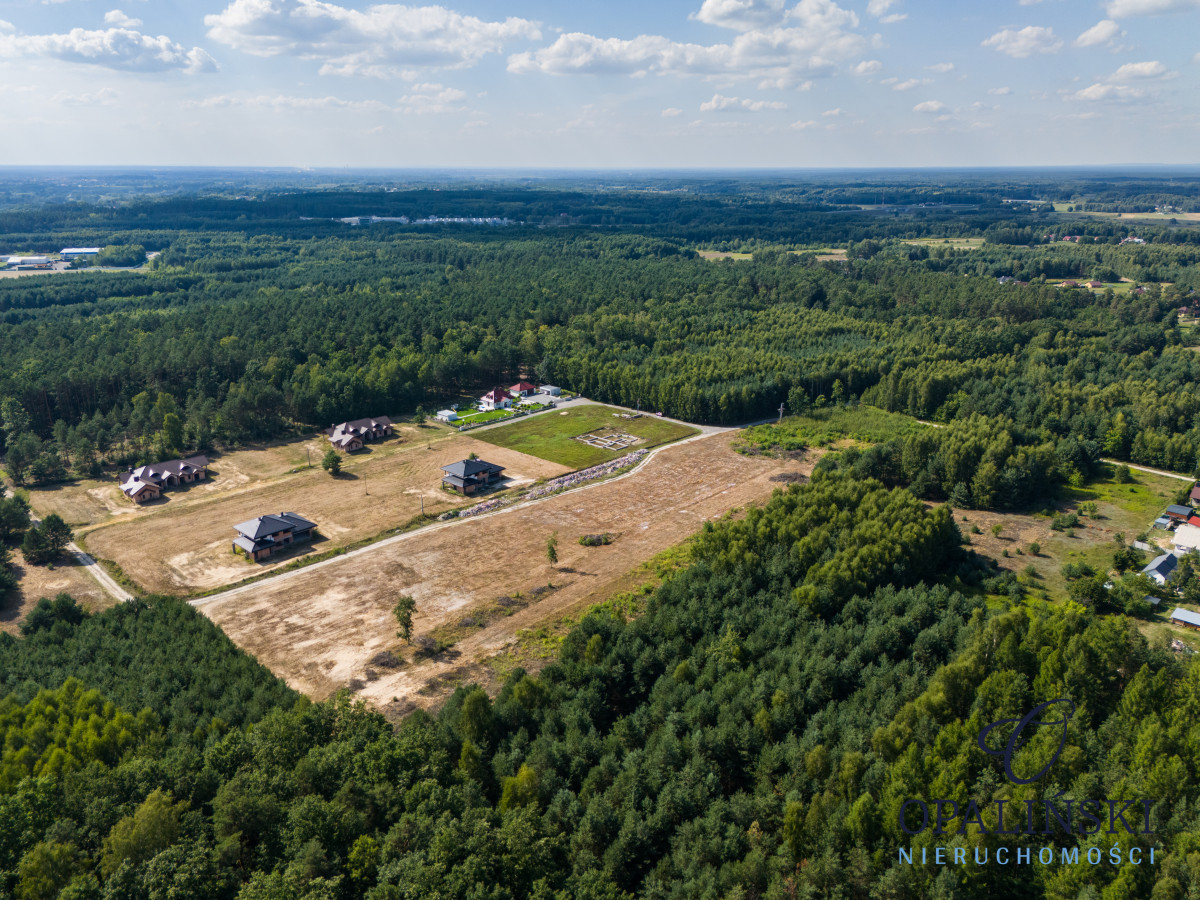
(1162, 565)
(264, 526)
(245, 543)
(467, 467)
(156, 471)
(358, 425)
(1177, 510)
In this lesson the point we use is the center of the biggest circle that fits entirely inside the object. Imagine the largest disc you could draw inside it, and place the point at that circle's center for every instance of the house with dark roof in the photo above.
(470, 475)
(1185, 617)
(148, 482)
(1178, 513)
(350, 436)
(267, 535)
(496, 398)
(1194, 496)
(1161, 568)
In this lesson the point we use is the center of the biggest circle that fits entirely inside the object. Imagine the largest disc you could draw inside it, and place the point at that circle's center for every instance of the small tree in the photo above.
(1035, 548)
(332, 463)
(552, 549)
(45, 543)
(997, 529)
(403, 611)
(419, 415)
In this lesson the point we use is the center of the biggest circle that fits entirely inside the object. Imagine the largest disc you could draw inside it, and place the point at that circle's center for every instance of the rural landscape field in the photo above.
(705, 450)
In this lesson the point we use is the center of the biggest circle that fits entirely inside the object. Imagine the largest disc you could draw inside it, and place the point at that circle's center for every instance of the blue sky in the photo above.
(530, 83)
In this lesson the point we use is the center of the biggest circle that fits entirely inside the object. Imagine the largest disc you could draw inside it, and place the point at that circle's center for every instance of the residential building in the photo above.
(350, 436)
(1161, 568)
(1185, 617)
(161, 476)
(263, 537)
(497, 398)
(470, 475)
(1194, 496)
(447, 415)
(523, 389)
(1187, 538)
(550, 389)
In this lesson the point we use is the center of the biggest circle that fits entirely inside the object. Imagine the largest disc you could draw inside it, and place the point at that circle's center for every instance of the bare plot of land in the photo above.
(320, 628)
(34, 582)
(184, 547)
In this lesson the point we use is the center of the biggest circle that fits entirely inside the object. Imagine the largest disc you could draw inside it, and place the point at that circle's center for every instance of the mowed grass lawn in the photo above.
(550, 435)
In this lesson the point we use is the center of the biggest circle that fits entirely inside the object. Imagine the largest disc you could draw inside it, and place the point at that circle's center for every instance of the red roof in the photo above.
(523, 386)
(1194, 520)
(496, 394)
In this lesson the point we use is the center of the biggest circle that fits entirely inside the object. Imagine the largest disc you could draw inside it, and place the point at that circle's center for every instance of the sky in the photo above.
(622, 84)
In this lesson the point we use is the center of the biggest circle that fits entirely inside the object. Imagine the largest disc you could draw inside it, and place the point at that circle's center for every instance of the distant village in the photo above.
(1183, 524)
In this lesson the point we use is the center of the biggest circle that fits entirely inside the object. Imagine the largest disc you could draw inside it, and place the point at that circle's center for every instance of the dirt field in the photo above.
(377, 490)
(320, 627)
(36, 582)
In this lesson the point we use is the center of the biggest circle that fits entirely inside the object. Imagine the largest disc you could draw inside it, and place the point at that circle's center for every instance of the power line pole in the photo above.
(780, 415)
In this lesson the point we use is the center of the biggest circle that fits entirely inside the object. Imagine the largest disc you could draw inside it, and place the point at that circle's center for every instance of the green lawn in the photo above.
(822, 427)
(549, 435)
(479, 418)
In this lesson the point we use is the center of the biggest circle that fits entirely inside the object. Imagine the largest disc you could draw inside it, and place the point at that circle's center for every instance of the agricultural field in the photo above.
(949, 243)
(181, 544)
(553, 435)
(34, 582)
(319, 628)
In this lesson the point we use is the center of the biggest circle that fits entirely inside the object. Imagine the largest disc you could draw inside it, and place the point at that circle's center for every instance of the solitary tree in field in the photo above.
(552, 549)
(332, 463)
(403, 611)
(44, 543)
(419, 415)
(997, 529)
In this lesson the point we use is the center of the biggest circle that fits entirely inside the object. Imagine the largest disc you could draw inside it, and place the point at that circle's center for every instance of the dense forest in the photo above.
(821, 664)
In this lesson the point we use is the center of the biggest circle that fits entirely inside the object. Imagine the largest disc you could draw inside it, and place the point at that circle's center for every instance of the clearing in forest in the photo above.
(67, 576)
(553, 435)
(181, 544)
(479, 581)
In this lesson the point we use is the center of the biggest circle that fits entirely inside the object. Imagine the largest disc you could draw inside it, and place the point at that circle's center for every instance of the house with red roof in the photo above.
(523, 389)
(496, 398)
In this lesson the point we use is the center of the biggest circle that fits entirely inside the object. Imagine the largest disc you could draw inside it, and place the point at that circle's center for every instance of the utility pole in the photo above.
(422, 506)
(780, 415)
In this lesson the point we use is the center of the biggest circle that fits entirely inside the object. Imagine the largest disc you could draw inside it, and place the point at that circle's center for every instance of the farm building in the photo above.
(351, 436)
(29, 262)
(267, 535)
(1161, 568)
(447, 415)
(1185, 617)
(497, 398)
(1187, 538)
(550, 389)
(162, 475)
(469, 475)
(1177, 513)
(74, 252)
(1162, 522)
(523, 389)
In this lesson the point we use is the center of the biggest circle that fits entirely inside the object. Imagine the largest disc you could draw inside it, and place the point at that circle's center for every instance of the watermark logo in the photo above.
(1038, 717)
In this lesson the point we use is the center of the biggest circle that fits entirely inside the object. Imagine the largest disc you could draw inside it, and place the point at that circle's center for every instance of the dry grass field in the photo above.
(319, 628)
(35, 582)
(181, 544)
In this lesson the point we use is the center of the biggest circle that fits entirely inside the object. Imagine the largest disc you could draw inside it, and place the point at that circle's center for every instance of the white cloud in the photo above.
(834, 113)
(1139, 70)
(102, 97)
(879, 8)
(1103, 32)
(773, 42)
(941, 67)
(1102, 91)
(283, 101)
(1024, 43)
(720, 102)
(868, 67)
(123, 49)
(1030, 2)
(1120, 9)
(6, 26)
(671, 112)
(930, 106)
(803, 125)
(894, 18)
(1000, 91)
(378, 41)
(120, 20)
(910, 84)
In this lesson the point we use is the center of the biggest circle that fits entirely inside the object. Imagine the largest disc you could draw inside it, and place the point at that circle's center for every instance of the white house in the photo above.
(495, 399)
(550, 389)
(1187, 538)
(447, 415)
(1161, 568)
